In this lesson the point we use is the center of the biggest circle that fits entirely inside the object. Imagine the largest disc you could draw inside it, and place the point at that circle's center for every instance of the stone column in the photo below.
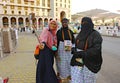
(1, 22)
(17, 25)
(24, 22)
(9, 22)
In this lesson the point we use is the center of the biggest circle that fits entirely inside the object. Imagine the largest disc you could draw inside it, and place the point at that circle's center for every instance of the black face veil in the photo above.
(86, 28)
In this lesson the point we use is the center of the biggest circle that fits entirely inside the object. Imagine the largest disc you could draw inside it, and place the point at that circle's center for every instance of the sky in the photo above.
(84, 5)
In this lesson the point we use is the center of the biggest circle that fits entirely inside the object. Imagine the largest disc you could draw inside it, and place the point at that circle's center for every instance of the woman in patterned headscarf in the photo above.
(87, 56)
(48, 46)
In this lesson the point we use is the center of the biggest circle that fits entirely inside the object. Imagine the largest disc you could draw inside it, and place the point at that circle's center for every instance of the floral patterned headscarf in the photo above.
(48, 35)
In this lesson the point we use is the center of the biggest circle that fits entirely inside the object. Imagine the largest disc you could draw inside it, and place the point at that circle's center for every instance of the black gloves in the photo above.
(75, 63)
(73, 49)
(76, 55)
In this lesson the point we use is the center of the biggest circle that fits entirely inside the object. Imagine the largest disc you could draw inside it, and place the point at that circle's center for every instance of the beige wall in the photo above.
(42, 9)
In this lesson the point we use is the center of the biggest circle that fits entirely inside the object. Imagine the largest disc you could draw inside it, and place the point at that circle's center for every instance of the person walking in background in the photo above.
(48, 45)
(87, 55)
(65, 40)
(16, 36)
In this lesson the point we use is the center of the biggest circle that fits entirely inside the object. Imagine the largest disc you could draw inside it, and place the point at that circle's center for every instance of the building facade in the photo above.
(16, 13)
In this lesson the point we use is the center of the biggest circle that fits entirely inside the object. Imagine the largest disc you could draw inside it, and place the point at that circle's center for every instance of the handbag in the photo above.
(37, 52)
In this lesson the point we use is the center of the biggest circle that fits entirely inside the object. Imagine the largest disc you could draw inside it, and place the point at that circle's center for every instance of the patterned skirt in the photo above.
(63, 65)
(82, 75)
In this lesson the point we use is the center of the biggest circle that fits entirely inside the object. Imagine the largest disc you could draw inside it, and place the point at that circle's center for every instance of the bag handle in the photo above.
(86, 44)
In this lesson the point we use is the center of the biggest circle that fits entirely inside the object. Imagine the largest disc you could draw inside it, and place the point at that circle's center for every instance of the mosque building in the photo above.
(18, 13)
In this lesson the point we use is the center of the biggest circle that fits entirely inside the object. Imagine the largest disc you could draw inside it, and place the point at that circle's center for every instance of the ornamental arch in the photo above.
(40, 23)
(5, 22)
(20, 22)
(27, 22)
(45, 22)
(13, 21)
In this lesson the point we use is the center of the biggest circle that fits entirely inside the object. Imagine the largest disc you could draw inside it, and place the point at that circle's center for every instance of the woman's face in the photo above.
(65, 23)
(53, 25)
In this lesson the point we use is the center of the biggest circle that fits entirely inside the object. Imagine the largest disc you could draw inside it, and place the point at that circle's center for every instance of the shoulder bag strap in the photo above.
(68, 33)
(86, 44)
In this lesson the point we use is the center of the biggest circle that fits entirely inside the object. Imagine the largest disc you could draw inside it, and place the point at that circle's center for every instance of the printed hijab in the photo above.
(48, 35)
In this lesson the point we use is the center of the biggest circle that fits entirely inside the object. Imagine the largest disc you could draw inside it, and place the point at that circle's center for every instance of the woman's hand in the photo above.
(41, 46)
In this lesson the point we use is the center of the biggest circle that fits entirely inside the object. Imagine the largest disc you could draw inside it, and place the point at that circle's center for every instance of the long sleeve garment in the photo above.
(66, 35)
